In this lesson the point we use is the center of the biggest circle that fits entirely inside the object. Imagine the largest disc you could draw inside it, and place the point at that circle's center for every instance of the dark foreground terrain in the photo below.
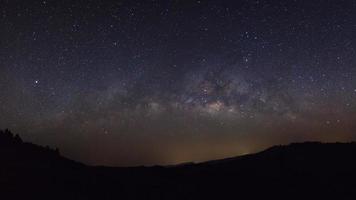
(298, 171)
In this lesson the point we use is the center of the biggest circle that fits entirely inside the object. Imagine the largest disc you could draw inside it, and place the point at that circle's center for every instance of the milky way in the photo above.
(162, 82)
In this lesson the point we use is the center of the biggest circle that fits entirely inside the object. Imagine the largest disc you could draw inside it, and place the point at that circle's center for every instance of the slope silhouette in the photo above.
(310, 170)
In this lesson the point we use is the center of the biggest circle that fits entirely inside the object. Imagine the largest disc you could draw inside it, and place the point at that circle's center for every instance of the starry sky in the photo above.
(126, 83)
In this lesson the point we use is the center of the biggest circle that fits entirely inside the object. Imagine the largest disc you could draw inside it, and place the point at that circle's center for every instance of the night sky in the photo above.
(125, 83)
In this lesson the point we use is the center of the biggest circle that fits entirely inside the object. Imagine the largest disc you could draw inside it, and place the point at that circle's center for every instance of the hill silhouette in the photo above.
(310, 170)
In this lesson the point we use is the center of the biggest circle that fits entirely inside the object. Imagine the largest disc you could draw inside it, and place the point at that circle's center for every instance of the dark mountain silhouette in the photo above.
(310, 170)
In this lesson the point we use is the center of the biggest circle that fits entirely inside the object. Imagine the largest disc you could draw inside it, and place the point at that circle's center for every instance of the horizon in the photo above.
(16, 137)
(128, 83)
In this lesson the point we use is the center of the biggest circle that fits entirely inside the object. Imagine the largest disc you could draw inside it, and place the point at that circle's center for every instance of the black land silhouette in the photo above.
(310, 170)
